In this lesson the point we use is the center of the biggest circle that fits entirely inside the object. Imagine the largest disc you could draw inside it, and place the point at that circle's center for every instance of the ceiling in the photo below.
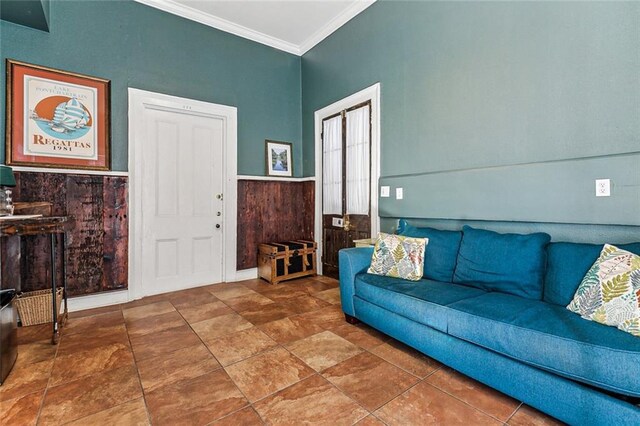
(294, 26)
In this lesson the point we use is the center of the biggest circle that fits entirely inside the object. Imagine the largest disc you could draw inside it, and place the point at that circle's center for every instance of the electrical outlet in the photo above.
(399, 194)
(603, 187)
(384, 191)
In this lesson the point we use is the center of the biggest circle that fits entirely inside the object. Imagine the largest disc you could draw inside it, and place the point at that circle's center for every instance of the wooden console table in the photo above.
(47, 225)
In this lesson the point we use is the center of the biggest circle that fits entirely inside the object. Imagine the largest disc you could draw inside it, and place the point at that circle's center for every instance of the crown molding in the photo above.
(333, 25)
(221, 24)
(192, 14)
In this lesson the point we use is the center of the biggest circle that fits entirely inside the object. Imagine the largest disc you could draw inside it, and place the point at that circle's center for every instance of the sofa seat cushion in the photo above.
(422, 301)
(550, 337)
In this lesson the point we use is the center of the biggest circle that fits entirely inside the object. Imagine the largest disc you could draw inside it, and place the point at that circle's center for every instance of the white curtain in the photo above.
(332, 166)
(358, 168)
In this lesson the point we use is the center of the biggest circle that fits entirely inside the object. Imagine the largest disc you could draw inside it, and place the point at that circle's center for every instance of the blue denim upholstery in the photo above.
(351, 262)
(567, 264)
(423, 301)
(509, 263)
(567, 400)
(550, 337)
(535, 351)
(441, 251)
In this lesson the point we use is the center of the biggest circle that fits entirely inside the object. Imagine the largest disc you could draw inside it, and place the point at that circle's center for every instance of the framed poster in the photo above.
(279, 160)
(56, 118)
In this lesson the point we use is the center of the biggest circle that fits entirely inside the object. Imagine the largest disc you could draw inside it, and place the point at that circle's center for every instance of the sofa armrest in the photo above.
(351, 261)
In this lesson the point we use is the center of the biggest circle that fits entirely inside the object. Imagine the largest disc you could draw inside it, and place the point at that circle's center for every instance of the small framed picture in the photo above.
(56, 118)
(279, 160)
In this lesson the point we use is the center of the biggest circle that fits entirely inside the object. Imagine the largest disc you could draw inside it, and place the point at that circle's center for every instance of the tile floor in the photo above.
(239, 354)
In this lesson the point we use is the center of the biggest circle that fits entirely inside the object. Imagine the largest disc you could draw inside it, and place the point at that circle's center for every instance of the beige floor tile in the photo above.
(229, 292)
(154, 324)
(85, 363)
(235, 347)
(25, 379)
(303, 304)
(191, 298)
(195, 401)
(148, 310)
(424, 404)
(370, 420)
(90, 323)
(186, 363)
(248, 302)
(528, 416)
(245, 417)
(101, 336)
(22, 410)
(361, 335)
(406, 358)
(369, 380)
(323, 350)
(474, 393)
(267, 373)
(95, 311)
(267, 313)
(204, 311)
(311, 401)
(331, 295)
(290, 329)
(38, 351)
(219, 326)
(163, 343)
(132, 413)
(329, 317)
(89, 395)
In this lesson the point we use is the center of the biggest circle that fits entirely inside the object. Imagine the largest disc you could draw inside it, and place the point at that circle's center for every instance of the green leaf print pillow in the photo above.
(610, 292)
(398, 257)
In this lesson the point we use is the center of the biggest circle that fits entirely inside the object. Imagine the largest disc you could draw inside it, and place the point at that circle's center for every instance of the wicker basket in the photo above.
(34, 307)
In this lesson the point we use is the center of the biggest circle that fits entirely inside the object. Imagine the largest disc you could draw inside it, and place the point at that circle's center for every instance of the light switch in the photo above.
(603, 187)
(337, 221)
(384, 191)
(399, 193)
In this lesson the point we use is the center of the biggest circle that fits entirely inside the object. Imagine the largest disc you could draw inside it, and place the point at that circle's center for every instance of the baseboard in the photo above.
(98, 300)
(246, 274)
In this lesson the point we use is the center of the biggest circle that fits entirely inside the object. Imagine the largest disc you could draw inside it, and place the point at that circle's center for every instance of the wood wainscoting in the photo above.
(97, 231)
(271, 211)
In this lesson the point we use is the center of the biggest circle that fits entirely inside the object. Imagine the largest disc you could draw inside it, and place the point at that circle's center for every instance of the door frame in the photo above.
(139, 100)
(370, 93)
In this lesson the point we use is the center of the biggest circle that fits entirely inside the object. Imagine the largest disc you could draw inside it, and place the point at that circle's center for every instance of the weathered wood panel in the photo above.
(97, 232)
(271, 211)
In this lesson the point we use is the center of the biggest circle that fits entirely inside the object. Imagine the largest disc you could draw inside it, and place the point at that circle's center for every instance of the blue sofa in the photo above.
(493, 306)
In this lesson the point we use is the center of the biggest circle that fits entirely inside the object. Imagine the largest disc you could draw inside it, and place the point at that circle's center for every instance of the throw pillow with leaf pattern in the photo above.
(399, 257)
(610, 292)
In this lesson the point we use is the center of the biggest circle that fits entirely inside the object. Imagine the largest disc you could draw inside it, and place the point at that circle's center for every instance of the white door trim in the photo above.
(370, 93)
(138, 101)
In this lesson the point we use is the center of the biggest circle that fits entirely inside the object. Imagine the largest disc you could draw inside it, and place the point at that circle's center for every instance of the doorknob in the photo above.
(217, 226)
(219, 197)
(346, 224)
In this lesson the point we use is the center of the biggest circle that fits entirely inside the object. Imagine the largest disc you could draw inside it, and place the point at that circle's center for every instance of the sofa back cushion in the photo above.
(441, 253)
(507, 263)
(567, 264)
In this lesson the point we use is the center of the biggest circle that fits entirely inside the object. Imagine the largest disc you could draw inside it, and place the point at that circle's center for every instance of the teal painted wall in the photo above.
(507, 87)
(134, 45)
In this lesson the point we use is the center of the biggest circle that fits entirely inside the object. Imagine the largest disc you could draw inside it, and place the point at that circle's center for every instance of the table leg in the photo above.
(64, 277)
(56, 334)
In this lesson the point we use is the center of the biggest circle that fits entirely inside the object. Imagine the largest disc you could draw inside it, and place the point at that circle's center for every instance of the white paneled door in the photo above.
(182, 200)
(182, 164)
